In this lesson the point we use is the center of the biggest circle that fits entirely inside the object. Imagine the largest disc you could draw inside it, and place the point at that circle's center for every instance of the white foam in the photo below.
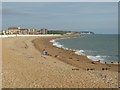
(80, 52)
(66, 48)
(52, 41)
(57, 44)
(95, 58)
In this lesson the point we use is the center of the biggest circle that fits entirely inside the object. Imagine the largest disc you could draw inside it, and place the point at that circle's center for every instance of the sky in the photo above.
(60, 0)
(99, 17)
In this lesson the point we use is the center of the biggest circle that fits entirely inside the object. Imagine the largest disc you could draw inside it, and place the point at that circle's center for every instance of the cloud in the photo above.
(15, 12)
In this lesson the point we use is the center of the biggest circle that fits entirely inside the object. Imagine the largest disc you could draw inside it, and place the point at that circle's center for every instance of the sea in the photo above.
(103, 47)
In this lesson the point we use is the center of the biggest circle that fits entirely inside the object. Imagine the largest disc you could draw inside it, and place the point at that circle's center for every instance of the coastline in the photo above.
(80, 52)
(25, 67)
(72, 58)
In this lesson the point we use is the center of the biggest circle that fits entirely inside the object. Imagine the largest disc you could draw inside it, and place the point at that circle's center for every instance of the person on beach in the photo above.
(44, 52)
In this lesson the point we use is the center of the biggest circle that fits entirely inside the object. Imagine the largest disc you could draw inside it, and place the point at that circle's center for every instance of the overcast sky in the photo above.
(98, 17)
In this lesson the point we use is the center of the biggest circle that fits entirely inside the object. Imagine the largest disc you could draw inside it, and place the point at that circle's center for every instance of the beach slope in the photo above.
(24, 67)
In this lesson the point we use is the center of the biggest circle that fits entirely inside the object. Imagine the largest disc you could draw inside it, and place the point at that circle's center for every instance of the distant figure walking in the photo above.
(44, 52)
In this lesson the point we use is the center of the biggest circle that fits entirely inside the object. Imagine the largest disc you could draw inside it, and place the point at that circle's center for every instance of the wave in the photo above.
(57, 44)
(79, 52)
(94, 58)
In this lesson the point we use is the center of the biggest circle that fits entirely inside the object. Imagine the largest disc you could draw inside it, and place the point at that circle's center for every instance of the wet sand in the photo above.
(24, 66)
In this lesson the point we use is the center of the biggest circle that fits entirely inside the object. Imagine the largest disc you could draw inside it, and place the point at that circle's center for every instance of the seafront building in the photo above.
(18, 30)
(22, 31)
(43, 31)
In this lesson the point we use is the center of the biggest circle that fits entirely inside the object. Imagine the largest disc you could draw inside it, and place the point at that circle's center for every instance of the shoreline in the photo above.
(23, 66)
(77, 50)
(72, 58)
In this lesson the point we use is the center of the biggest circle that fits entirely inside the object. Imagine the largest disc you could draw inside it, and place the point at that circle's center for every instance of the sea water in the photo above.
(96, 47)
